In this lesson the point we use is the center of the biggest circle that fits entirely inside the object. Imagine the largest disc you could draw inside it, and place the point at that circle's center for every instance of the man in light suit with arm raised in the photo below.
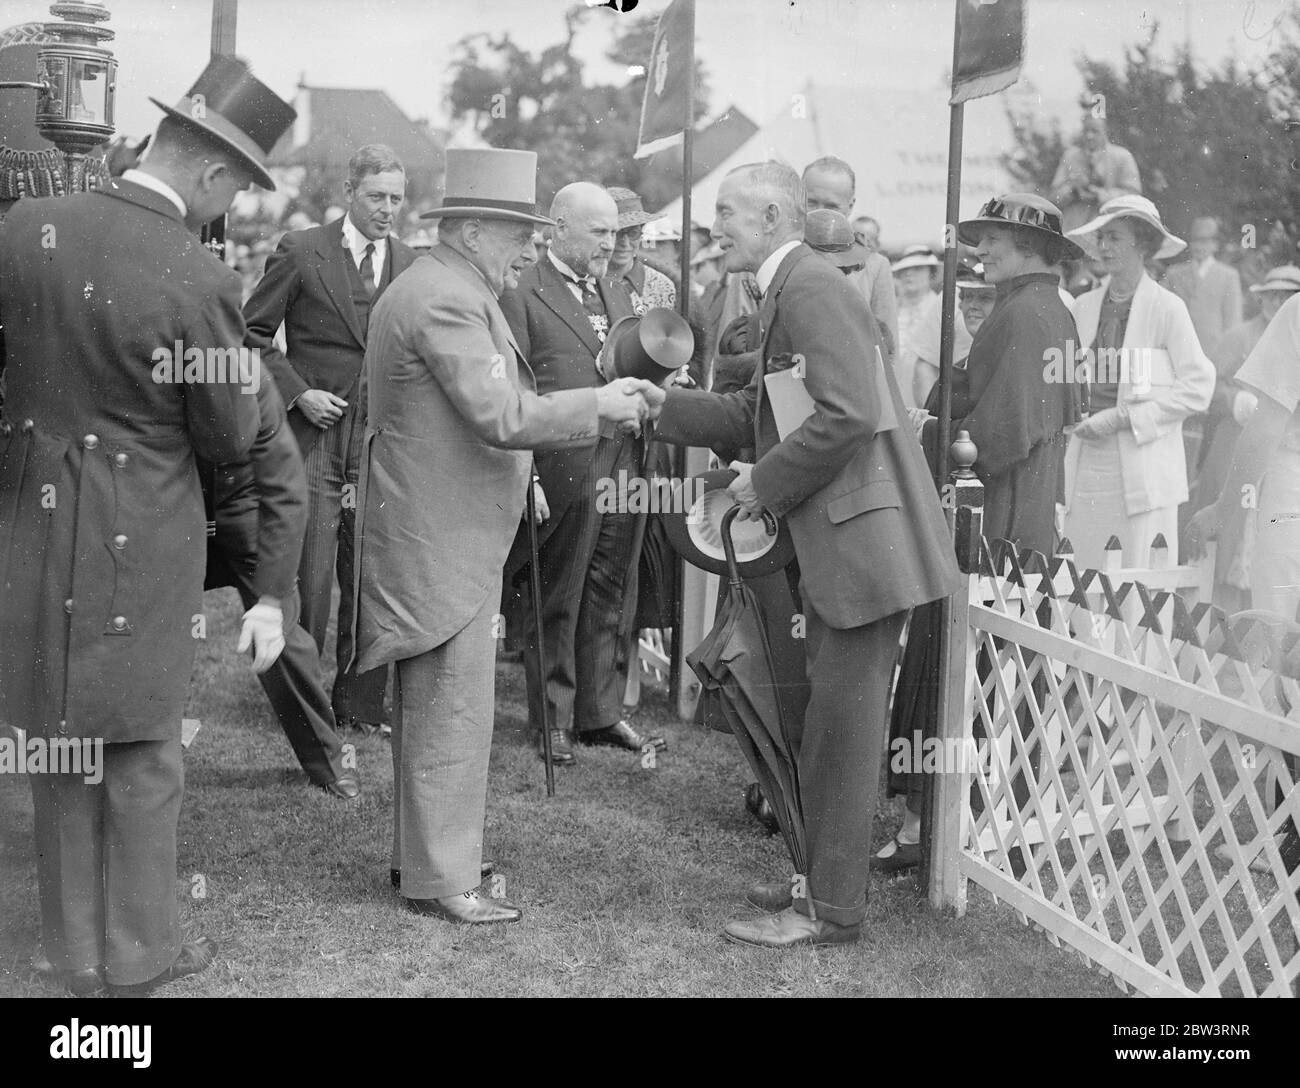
(447, 460)
(869, 534)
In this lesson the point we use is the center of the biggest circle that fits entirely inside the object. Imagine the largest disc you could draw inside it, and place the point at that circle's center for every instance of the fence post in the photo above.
(948, 792)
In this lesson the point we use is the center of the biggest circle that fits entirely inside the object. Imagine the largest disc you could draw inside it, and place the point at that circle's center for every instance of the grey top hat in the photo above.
(490, 183)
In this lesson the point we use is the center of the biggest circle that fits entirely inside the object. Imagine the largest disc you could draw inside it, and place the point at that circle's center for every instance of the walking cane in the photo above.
(535, 585)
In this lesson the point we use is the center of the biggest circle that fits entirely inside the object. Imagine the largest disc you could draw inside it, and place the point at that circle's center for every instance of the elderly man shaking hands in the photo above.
(452, 422)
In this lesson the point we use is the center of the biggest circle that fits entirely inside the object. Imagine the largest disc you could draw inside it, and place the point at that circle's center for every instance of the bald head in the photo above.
(586, 220)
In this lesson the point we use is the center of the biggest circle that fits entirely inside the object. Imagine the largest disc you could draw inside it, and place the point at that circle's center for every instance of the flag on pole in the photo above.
(666, 110)
(990, 47)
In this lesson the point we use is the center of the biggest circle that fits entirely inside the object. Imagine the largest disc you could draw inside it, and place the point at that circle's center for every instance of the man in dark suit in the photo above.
(259, 506)
(560, 314)
(101, 512)
(322, 284)
(869, 535)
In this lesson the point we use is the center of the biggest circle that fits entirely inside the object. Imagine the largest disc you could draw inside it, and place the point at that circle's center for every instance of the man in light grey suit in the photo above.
(452, 418)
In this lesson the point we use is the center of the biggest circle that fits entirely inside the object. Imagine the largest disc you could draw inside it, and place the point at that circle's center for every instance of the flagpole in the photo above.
(678, 658)
(956, 120)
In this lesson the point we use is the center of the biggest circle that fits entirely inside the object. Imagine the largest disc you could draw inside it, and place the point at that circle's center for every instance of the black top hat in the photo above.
(1024, 211)
(652, 346)
(762, 547)
(236, 110)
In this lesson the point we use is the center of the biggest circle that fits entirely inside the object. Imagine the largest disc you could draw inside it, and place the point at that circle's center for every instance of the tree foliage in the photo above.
(513, 98)
(1208, 141)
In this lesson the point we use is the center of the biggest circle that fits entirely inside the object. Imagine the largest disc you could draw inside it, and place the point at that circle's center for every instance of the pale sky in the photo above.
(758, 52)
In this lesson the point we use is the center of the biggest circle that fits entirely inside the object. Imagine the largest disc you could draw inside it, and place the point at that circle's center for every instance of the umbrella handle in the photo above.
(729, 547)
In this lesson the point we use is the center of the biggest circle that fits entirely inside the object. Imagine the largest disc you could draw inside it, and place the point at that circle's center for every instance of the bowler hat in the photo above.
(1028, 212)
(762, 547)
(831, 234)
(651, 346)
(236, 110)
(490, 183)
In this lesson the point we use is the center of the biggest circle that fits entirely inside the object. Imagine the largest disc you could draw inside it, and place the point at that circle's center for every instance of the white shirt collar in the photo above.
(767, 270)
(148, 181)
(565, 270)
(356, 243)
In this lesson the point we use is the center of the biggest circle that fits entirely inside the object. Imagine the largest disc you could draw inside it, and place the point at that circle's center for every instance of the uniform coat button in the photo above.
(119, 541)
(90, 442)
(119, 623)
(119, 460)
(67, 606)
(28, 424)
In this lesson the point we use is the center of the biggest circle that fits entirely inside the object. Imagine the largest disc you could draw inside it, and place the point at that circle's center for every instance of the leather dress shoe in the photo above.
(345, 786)
(194, 956)
(622, 735)
(788, 929)
(770, 895)
(469, 909)
(906, 855)
(485, 870)
(561, 753)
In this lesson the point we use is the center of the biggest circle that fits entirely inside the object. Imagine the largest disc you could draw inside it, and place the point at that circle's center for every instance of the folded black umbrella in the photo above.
(735, 667)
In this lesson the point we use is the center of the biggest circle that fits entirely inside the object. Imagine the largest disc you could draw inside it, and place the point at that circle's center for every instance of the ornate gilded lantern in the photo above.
(74, 109)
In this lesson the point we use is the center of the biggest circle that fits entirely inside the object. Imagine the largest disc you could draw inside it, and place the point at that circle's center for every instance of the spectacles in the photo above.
(631, 234)
(1024, 214)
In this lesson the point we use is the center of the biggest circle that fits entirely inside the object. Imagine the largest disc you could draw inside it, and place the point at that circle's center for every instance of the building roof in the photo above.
(334, 121)
(714, 143)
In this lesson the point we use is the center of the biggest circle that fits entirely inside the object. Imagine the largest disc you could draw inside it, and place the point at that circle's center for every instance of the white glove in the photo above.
(263, 632)
(1243, 406)
(918, 417)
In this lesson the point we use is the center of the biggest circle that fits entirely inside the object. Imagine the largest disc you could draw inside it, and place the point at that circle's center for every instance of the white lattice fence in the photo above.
(1136, 775)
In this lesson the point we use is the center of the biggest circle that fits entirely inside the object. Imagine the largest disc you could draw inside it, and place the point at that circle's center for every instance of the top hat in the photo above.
(490, 183)
(831, 234)
(236, 110)
(761, 547)
(651, 347)
(1024, 211)
(1283, 278)
(916, 257)
(1129, 206)
(630, 211)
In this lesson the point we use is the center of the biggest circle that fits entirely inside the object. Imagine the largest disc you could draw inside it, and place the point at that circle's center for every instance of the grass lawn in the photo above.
(626, 877)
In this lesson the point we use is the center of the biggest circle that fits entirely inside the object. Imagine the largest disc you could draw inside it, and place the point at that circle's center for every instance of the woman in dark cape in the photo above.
(1016, 415)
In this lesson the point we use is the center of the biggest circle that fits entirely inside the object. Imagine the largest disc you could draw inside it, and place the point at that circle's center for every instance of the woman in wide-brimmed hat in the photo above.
(650, 287)
(1126, 470)
(1017, 419)
(920, 319)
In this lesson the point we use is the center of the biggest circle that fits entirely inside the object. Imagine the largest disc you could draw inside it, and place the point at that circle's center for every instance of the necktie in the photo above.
(368, 270)
(595, 308)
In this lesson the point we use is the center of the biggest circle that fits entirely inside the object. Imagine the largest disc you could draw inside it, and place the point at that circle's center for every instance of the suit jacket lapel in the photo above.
(766, 317)
(334, 276)
(400, 258)
(553, 289)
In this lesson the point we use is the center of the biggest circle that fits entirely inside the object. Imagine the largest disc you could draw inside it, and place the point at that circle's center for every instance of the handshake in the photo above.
(629, 402)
